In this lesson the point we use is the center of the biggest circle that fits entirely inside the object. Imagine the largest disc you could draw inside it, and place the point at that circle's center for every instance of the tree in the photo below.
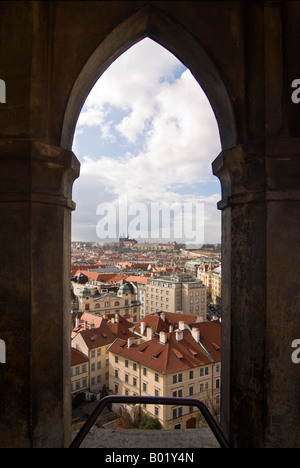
(104, 392)
(148, 422)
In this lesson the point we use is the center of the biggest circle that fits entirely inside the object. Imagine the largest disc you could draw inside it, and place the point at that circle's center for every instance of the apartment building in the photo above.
(123, 302)
(91, 338)
(180, 292)
(182, 363)
(94, 343)
(212, 279)
(79, 372)
(216, 282)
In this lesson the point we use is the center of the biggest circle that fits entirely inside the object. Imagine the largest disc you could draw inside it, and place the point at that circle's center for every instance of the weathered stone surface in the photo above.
(177, 439)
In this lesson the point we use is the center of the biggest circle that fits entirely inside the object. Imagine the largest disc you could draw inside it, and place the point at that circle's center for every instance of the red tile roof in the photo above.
(138, 279)
(77, 357)
(98, 337)
(210, 337)
(121, 331)
(153, 321)
(174, 356)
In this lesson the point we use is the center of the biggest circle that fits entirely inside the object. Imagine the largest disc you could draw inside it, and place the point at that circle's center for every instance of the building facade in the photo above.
(181, 292)
(79, 372)
(106, 303)
(94, 343)
(171, 364)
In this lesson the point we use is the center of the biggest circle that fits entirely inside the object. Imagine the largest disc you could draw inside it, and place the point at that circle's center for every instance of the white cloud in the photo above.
(171, 120)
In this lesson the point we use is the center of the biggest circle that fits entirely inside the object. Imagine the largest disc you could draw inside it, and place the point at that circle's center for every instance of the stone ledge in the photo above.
(113, 438)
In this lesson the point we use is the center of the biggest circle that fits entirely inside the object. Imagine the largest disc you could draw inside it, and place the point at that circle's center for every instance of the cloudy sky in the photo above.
(146, 137)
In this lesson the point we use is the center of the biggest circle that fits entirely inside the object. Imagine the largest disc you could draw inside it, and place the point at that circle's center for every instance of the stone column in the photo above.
(260, 296)
(35, 211)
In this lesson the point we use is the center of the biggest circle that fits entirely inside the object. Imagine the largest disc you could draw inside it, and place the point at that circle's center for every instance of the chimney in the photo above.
(149, 333)
(117, 318)
(143, 327)
(171, 329)
(181, 325)
(163, 317)
(130, 342)
(163, 338)
(179, 335)
(196, 334)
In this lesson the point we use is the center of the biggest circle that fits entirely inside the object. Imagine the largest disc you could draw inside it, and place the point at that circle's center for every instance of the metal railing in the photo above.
(129, 400)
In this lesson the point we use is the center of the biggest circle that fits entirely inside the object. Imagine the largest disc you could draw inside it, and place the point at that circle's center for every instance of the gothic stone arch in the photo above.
(243, 56)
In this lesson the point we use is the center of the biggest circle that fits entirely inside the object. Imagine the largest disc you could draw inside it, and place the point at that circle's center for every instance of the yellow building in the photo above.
(94, 343)
(181, 292)
(216, 281)
(182, 363)
(79, 372)
(122, 303)
(212, 279)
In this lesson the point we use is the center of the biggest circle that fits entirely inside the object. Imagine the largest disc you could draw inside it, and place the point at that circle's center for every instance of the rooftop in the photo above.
(170, 352)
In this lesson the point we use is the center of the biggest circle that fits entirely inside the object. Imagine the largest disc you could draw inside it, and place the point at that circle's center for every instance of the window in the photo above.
(156, 411)
(177, 413)
(144, 387)
(116, 373)
(116, 359)
(144, 371)
(191, 374)
(134, 366)
(126, 363)
(156, 378)
(177, 378)
(191, 391)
